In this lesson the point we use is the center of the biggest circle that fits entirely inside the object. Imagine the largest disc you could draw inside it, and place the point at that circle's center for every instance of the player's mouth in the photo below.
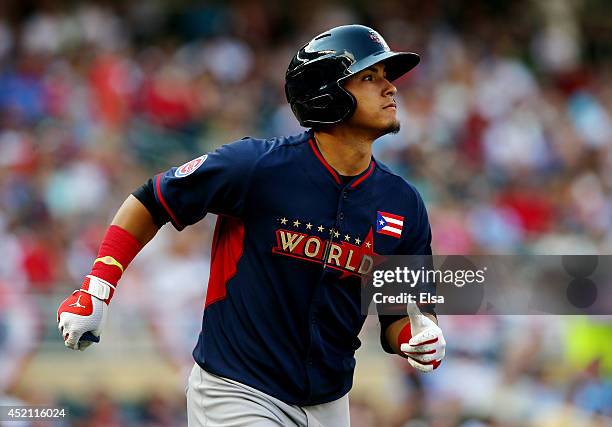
(391, 106)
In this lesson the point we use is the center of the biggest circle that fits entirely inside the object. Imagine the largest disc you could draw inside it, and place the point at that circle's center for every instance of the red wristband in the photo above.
(117, 250)
(404, 336)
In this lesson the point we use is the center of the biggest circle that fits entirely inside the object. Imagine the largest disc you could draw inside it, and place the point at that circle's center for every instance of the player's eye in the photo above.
(368, 77)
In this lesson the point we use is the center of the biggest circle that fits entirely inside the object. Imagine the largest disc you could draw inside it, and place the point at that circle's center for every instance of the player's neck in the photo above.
(349, 155)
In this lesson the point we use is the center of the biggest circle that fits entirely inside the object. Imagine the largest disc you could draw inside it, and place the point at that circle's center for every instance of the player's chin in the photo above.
(390, 126)
(378, 125)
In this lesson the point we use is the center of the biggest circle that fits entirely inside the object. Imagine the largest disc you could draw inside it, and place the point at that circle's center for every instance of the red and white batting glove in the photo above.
(422, 341)
(81, 316)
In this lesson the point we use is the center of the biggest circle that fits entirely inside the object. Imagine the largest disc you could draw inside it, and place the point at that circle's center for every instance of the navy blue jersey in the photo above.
(292, 239)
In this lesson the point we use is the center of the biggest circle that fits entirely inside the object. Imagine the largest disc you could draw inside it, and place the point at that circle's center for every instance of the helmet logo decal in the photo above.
(378, 39)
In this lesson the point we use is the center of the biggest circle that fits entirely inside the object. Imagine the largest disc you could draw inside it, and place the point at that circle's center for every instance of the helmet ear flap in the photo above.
(332, 107)
(321, 101)
(313, 90)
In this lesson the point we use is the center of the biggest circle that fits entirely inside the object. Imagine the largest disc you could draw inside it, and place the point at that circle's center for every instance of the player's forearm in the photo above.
(135, 218)
(393, 331)
(131, 229)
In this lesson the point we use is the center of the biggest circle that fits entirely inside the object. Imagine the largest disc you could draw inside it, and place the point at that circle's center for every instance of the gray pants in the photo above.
(214, 401)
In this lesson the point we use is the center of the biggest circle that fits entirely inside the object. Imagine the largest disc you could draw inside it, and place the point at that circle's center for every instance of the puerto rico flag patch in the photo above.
(389, 224)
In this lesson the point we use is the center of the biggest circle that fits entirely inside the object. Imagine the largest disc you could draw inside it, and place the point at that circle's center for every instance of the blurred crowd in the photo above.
(506, 131)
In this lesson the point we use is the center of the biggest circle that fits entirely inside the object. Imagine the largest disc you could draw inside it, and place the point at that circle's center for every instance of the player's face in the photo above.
(376, 109)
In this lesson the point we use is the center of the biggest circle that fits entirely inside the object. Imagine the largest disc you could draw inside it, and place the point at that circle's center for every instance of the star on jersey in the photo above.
(283, 220)
(308, 226)
(296, 223)
(321, 229)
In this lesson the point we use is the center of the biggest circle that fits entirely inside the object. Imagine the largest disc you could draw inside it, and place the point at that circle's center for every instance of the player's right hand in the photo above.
(82, 315)
(426, 347)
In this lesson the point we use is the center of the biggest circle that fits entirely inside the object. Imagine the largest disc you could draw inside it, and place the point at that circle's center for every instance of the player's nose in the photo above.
(389, 89)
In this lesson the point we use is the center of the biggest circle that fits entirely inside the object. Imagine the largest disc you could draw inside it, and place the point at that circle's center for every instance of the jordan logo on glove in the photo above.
(77, 304)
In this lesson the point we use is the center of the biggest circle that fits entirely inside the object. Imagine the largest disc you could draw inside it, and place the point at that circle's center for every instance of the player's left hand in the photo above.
(427, 347)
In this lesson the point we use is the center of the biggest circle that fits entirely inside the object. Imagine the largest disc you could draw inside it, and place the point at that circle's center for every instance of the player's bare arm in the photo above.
(136, 219)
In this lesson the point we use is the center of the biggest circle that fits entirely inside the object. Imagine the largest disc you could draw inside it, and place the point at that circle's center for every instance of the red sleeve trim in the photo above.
(164, 204)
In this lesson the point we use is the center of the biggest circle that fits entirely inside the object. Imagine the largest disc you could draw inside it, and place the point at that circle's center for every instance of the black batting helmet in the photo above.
(313, 80)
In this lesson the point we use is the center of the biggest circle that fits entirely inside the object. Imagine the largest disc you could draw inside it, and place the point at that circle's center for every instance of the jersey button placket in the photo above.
(340, 215)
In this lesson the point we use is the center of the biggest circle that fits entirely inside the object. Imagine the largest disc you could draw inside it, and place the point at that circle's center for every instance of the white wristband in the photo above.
(98, 288)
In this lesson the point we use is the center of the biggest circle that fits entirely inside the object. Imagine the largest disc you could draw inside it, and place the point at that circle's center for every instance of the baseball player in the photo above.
(300, 220)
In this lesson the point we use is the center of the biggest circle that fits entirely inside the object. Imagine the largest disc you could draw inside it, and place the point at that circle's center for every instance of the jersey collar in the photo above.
(358, 180)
